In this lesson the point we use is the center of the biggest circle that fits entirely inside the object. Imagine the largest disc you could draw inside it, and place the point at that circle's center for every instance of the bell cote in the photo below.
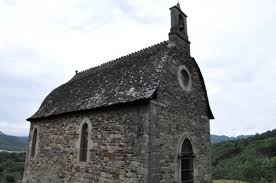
(178, 31)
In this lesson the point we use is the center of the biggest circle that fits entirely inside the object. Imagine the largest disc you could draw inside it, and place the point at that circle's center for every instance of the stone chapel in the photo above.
(141, 118)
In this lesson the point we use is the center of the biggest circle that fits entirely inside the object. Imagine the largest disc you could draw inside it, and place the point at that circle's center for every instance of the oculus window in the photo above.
(184, 78)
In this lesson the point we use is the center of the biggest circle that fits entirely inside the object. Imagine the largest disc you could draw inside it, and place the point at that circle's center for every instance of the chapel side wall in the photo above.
(177, 115)
(117, 147)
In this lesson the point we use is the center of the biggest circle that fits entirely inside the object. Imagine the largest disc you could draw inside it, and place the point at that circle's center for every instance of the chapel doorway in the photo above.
(187, 163)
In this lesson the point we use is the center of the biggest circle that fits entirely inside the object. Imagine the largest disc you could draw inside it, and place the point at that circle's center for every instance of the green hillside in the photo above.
(12, 143)
(11, 166)
(252, 159)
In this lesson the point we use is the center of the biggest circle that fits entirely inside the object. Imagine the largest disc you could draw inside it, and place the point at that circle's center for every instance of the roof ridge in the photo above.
(122, 57)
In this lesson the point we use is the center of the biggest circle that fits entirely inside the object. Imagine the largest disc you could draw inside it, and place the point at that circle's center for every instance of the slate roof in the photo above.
(127, 79)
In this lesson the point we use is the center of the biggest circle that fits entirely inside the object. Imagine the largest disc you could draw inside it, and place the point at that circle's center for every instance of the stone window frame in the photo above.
(89, 143)
(181, 82)
(35, 127)
(183, 137)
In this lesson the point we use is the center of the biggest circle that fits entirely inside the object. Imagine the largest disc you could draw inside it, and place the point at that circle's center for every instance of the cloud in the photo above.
(42, 43)
(17, 129)
(234, 45)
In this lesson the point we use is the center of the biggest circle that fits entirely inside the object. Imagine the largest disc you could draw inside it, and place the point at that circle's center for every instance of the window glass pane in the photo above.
(84, 142)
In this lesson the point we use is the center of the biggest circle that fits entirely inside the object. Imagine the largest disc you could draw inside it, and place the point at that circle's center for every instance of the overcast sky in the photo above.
(43, 42)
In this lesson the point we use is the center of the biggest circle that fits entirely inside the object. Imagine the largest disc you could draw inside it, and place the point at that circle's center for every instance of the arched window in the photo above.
(84, 142)
(181, 23)
(34, 143)
(187, 155)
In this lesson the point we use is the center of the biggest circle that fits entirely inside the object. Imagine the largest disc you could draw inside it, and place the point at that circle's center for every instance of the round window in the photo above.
(184, 78)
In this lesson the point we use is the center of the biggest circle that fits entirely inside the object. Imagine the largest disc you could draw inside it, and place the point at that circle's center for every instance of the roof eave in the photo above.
(146, 99)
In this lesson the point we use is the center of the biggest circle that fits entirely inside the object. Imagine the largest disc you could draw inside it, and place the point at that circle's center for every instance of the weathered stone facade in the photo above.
(136, 141)
(117, 147)
(176, 115)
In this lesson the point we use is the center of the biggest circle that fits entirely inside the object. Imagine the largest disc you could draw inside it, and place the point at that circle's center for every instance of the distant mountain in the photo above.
(12, 143)
(223, 138)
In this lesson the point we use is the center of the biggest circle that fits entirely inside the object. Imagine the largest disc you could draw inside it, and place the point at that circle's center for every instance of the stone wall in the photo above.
(117, 147)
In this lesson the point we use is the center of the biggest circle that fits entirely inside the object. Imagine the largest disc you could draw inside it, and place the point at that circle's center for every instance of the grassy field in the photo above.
(227, 181)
